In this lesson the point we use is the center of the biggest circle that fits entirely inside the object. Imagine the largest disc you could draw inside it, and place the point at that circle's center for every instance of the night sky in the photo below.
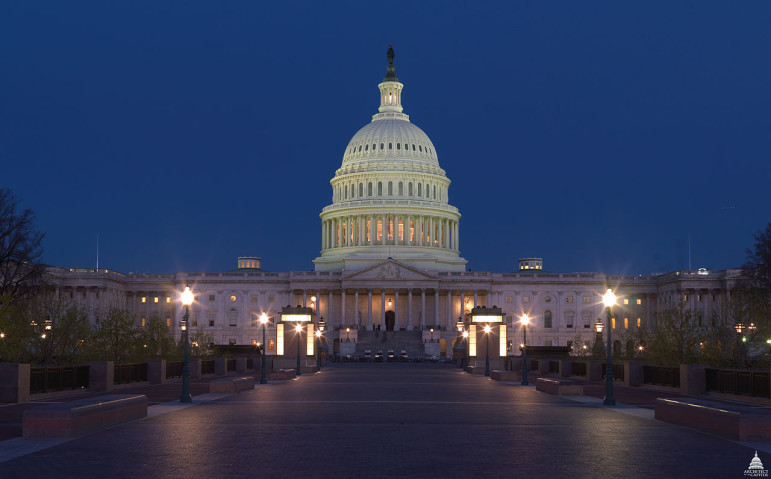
(597, 135)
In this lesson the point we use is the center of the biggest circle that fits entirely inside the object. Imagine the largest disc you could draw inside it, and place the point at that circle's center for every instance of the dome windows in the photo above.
(374, 147)
(366, 147)
(409, 189)
(420, 190)
(369, 189)
(380, 188)
(420, 148)
(398, 146)
(401, 189)
(390, 146)
(390, 188)
(361, 190)
(413, 147)
(359, 148)
(382, 146)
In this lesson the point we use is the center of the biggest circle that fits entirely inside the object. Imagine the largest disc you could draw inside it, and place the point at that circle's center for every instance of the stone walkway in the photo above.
(386, 420)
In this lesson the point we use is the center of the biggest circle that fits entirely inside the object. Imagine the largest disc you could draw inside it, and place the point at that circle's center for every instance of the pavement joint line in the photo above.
(18, 446)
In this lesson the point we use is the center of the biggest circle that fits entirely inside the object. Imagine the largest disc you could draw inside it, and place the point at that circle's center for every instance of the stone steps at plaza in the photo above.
(410, 341)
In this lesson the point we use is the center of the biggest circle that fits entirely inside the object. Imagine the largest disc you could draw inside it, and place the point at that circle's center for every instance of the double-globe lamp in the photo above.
(609, 299)
(187, 299)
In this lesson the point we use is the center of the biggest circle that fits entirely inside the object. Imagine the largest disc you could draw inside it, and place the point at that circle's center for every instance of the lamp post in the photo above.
(465, 359)
(609, 299)
(319, 333)
(187, 300)
(525, 321)
(461, 333)
(299, 330)
(487, 349)
(263, 374)
(597, 349)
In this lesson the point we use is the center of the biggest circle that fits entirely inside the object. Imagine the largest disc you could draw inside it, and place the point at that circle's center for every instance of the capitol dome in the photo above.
(389, 196)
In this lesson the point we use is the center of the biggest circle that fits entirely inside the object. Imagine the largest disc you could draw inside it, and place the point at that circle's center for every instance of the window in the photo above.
(271, 298)
(390, 146)
(212, 317)
(380, 188)
(366, 147)
(434, 191)
(525, 299)
(569, 299)
(639, 323)
(626, 323)
(569, 319)
(508, 299)
(168, 299)
(586, 299)
(390, 188)
(144, 299)
(144, 322)
(195, 319)
(547, 323)
(168, 322)
(232, 342)
(211, 297)
(626, 301)
(613, 323)
(401, 189)
(413, 147)
(420, 189)
(420, 148)
(685, 298)
(639, 301)
(382, 146)
(369, 189)
(398, 146)
(155, 299)
(361, 190)
(409, 189)
(253, 299)
(547, 342)
(254, 342)
(233, 317)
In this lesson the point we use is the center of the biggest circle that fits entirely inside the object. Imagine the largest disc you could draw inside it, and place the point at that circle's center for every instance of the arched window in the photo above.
(390, 146)
(406, 146)
(359, 148)
(390, 188)
(233, 317)
(547, 322)
(428, 190)
(382, 146)
(413, 147)
(361, 190)
(353, 190)
(420, 190)
(398, 146)
(434, 191)
(401, 189)
(374, 146)
(420, 148)
(366, 147)
(380, 188)
(409, 189)
(369, 189)
(345, 189)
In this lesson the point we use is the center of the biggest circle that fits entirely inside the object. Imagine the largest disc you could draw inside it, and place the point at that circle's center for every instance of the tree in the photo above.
(117, 338)
(758, 262)
(201, 344)
(15, 334)
(677, 336)
(20, 249)
(157, 341)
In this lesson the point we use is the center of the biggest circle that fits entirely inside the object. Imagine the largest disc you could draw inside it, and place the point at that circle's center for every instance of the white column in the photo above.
(329, 308)
(356, 309)
(339, 228)
(383, 229)
(369, 306)
(342, 308)
(372, 230)
(323, 235)
(396, 309)
(409, 309)
(475, 298)
(423, 308)
(382, 308)
(450, 322)
(463, 304)
(431, 234)
(436, 307)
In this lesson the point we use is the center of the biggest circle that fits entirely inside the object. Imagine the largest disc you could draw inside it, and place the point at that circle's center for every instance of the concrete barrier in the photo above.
(156, 371)
(561, 387)
(101, 375)
(75, 418)
(281, 374)
(740, 423)
(232, 385)
(498, 375)
(14, 382)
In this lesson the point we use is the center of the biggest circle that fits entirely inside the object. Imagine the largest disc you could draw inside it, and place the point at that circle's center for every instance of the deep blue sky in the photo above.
(598, 135)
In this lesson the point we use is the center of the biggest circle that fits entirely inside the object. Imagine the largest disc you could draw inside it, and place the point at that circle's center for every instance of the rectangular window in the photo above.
(401, 230)
(168, 322)
(685, 298)
(211, 297)
(271, 345)
(254, 342)
(155, 300)
(626, 301)
(280, 339)
(379, 233)
(547, 342)
(472, 340)
(310, 341)
(144, 321)
(526, 299)
(626, 323)
(639, 322)
(144, 299)
(613, 323)
(508, 299)
(232, 342)
(569, 299)
(168, 299)
(253, 299)
(212, 317)
(271, 298)
(698, 298)
(195, 319)
(586, 299)
(412, 229)
(639, 301)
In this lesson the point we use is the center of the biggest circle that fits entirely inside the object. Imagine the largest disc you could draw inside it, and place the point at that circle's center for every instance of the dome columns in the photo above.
(390, 229)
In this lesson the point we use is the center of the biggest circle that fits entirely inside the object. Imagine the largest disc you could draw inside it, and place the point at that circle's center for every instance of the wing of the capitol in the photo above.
(390, 274)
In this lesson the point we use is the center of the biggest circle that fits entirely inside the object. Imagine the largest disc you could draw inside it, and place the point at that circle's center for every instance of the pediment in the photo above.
(390, 270)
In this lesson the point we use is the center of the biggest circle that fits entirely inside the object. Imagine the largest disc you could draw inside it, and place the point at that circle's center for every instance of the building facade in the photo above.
(390, 260)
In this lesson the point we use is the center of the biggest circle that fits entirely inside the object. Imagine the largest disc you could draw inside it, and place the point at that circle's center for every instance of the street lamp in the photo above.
(263, 375)
(319, 333)
(187, 300)
(298, 329)
(487, 350)
(609, 299)
(525, 321)
(465, 360)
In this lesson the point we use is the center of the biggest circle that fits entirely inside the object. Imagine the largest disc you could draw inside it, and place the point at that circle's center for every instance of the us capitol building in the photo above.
(390, 261)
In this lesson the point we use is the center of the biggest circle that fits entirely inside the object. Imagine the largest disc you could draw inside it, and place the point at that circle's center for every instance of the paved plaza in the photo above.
(386, 420)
